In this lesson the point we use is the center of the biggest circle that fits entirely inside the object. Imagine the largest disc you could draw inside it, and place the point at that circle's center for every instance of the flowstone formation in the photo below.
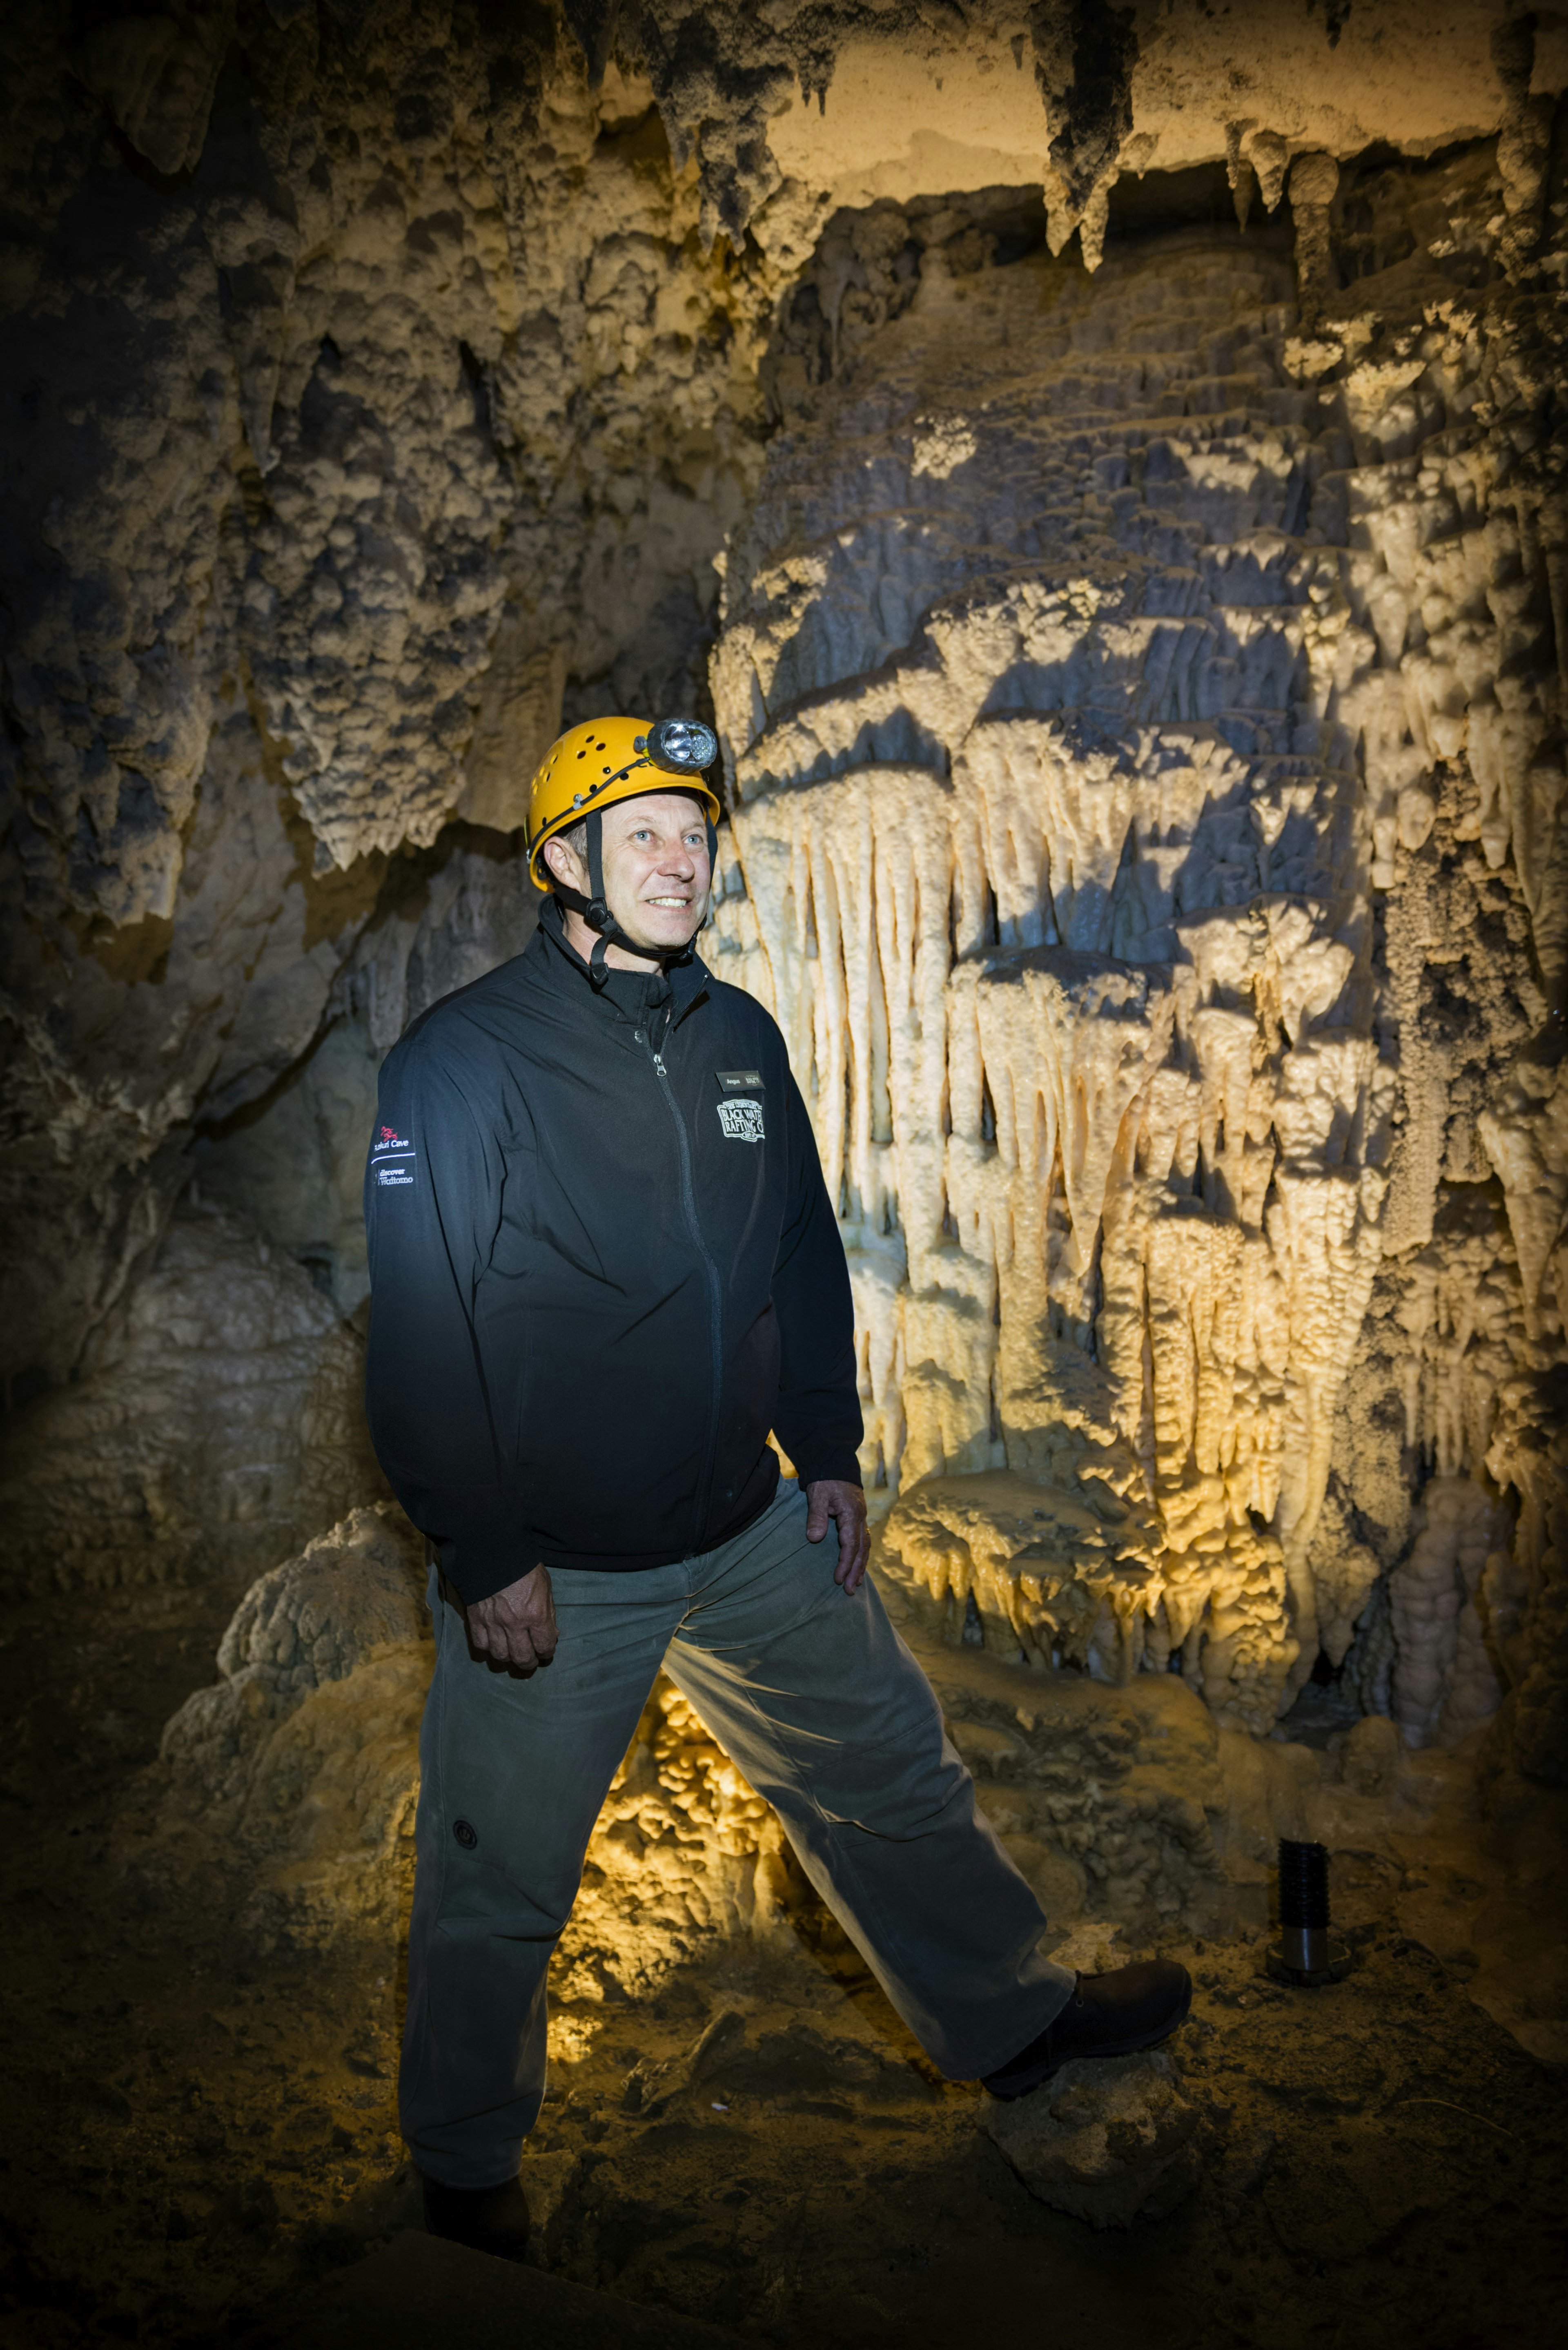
(1114, 462)
(1125, 696)
(1099, 1091)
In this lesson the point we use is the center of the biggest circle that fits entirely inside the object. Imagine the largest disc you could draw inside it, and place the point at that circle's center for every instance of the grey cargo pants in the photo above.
(818, 1700)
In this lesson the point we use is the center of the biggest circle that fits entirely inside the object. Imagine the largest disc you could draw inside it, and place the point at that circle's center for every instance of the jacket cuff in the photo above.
(814, 1462)
(480, 1566)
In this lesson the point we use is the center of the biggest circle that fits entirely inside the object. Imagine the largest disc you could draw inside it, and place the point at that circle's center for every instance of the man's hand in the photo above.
(831, 1498)
(516, 1628)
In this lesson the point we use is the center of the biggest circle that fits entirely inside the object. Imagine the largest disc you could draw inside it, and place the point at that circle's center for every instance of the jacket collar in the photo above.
(688, 978)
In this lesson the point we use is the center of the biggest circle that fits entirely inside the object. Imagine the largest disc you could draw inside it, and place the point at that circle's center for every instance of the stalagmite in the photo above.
(1443, 1681)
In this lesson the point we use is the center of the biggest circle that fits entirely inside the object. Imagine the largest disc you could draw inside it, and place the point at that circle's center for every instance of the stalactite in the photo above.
(1097, 737)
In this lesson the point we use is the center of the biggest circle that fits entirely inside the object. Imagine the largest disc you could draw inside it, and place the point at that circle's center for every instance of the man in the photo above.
(605, 1267)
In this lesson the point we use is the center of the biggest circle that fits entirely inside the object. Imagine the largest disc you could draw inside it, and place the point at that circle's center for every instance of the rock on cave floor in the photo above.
(198, 2136)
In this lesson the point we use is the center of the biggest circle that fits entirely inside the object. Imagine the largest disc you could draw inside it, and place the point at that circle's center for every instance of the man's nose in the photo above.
(679, 863)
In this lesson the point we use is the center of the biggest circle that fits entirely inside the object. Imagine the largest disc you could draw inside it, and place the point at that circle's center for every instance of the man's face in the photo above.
(656, 868)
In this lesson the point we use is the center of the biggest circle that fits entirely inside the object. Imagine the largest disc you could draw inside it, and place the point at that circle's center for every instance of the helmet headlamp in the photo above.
(681, 746)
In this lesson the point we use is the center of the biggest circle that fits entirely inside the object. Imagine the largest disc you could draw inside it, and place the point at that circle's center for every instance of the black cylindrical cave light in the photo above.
(1305, 1955)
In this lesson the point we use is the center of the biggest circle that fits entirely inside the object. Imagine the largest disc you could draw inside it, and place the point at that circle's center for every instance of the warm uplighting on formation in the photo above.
(1095, 475)
(1181, 1249)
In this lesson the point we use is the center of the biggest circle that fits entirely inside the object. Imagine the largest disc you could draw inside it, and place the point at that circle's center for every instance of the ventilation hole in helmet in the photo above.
(583, 752)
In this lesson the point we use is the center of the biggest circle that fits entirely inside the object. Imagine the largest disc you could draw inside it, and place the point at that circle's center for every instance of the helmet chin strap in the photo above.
(595, 908)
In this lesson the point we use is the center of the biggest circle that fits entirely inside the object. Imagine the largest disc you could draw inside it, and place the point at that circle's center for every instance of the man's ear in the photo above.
(561, 861)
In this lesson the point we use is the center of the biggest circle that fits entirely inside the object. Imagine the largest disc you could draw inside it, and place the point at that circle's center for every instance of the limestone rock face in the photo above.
(1140, 673)
(1110, 841)
(684, 1855)
(1444, 1681)
(299, 1769)
(333, 389)
(323, 1615)
(330, 473)
(120, 1038)
(296, 1167)
(217, 1420)
(1108, 2140)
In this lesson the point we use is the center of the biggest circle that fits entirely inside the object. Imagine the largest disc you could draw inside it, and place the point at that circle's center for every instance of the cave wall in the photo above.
(1136, 638)
(1145, 739)
(370, 388)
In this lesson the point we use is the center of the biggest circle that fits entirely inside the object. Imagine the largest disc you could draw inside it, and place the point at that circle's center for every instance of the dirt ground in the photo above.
(195, 2134)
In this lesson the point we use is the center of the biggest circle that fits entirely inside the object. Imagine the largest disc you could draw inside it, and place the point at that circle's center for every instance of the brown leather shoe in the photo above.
(1107, 2015)
(492, 2219)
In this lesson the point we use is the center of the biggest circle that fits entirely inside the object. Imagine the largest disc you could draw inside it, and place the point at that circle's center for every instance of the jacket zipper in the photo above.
(715, 1298)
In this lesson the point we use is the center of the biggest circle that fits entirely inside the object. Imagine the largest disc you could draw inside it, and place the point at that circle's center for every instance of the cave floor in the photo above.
(198, 2136)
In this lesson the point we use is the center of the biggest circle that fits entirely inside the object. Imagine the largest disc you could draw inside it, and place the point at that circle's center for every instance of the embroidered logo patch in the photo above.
(392, 1157)
(741, 1120)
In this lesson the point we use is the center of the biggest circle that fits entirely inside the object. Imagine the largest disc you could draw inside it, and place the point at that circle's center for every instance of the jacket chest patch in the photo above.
(741, 1120)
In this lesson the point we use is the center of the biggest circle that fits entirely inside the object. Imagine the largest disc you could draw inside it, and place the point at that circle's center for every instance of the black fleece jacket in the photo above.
(604, 1265)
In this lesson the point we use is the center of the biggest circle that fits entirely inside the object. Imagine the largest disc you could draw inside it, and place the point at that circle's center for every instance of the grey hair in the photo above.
(576, 839)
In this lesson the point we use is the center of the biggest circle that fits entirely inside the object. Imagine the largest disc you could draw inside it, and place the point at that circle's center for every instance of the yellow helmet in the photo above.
(591, 767)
